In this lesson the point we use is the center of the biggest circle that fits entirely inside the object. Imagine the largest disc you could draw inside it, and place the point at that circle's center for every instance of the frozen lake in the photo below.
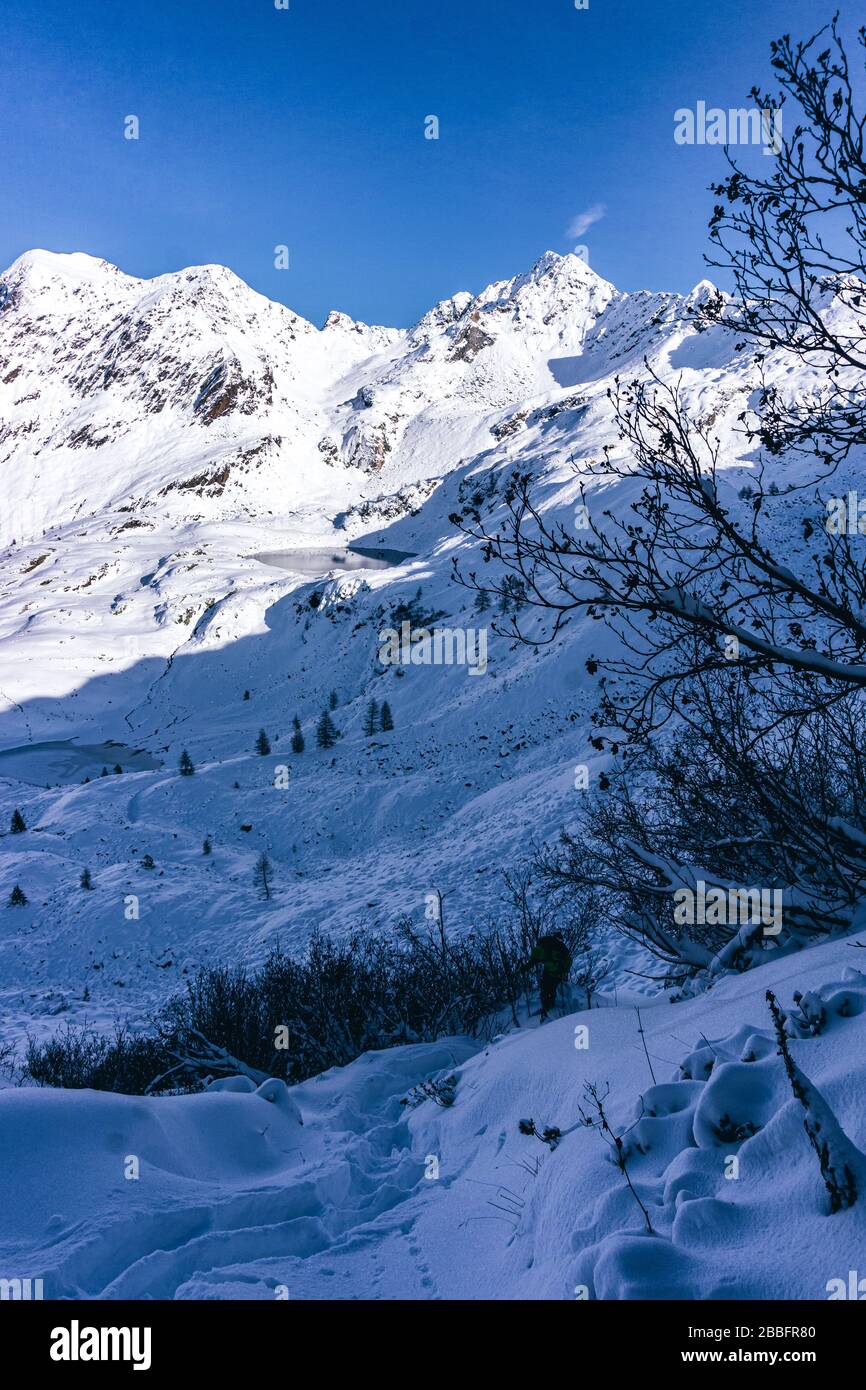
(66, 761)
(316, 562)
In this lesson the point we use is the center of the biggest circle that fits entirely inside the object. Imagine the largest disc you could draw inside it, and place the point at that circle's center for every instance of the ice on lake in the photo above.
(316, 562)
(61, 761)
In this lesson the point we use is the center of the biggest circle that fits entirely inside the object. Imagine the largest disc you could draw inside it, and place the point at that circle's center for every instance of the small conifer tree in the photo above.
(326, 731)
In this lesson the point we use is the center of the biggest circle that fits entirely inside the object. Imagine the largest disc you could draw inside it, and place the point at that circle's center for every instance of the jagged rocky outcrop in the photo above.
(123, 393)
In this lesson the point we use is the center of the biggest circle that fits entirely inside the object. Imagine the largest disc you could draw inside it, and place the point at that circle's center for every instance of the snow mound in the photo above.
(385, 1194)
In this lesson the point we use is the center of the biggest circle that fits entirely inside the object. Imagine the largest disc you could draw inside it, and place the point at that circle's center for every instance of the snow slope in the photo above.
(155, 437)
(372, 1198)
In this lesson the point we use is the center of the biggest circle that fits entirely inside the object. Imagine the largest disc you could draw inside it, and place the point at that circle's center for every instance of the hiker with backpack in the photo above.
(554, 957)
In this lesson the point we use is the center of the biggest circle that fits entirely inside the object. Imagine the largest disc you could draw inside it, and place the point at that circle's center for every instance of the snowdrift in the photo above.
(349, 1187)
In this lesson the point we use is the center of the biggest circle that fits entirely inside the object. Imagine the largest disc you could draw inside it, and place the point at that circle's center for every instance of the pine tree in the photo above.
(186, 765)
(263, 744)
(104, 772)
(246, 694)
(298, 744)
(18, 825)
(326, 731)
(86, 881)
(333, 701)
(18, 898)
(370, 719)
(387, 720)
(262, 875)
(206, 847)
(482, 601)
(147, 862)
(513, 595)
(117, 768)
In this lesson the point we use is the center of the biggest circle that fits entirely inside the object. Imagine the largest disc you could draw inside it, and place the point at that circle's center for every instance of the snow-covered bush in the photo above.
(339, 999)
(739, 808)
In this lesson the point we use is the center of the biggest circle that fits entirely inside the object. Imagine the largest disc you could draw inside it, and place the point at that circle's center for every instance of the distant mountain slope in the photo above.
(191, 396)
(155, 437)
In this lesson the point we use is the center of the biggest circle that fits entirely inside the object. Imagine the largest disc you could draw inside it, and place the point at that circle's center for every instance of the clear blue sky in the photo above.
(306, 128)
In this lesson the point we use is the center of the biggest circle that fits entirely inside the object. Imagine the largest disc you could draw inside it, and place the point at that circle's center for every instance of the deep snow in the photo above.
(370, 1198)
(155, 438)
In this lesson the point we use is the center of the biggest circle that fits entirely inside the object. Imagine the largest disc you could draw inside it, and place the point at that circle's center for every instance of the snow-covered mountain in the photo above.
(191, 397)
(155, 437)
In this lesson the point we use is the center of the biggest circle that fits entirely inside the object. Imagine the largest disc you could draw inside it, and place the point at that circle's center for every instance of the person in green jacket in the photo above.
(554, 957)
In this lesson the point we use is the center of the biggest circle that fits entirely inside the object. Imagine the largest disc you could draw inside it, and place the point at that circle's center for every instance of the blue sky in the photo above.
(305, 127)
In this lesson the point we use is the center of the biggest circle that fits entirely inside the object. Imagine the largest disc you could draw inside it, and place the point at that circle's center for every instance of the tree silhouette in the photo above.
(262, 875)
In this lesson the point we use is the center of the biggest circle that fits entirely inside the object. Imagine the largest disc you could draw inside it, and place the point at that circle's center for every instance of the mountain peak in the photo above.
(39, 267)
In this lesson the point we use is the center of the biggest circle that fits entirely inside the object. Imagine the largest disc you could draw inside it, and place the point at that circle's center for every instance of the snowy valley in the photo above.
(157, 439)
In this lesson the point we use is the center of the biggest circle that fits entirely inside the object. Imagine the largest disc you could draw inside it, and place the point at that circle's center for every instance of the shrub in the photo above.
(339, 999)
(77, 1058)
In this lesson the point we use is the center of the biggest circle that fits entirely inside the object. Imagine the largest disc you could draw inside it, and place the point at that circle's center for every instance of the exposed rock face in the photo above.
(469, 342)
(366, 446)
(504, 428)
(141, 395)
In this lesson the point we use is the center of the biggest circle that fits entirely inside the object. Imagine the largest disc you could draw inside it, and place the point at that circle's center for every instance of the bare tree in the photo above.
(693, 569)
(793, 238)
(263, 874)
